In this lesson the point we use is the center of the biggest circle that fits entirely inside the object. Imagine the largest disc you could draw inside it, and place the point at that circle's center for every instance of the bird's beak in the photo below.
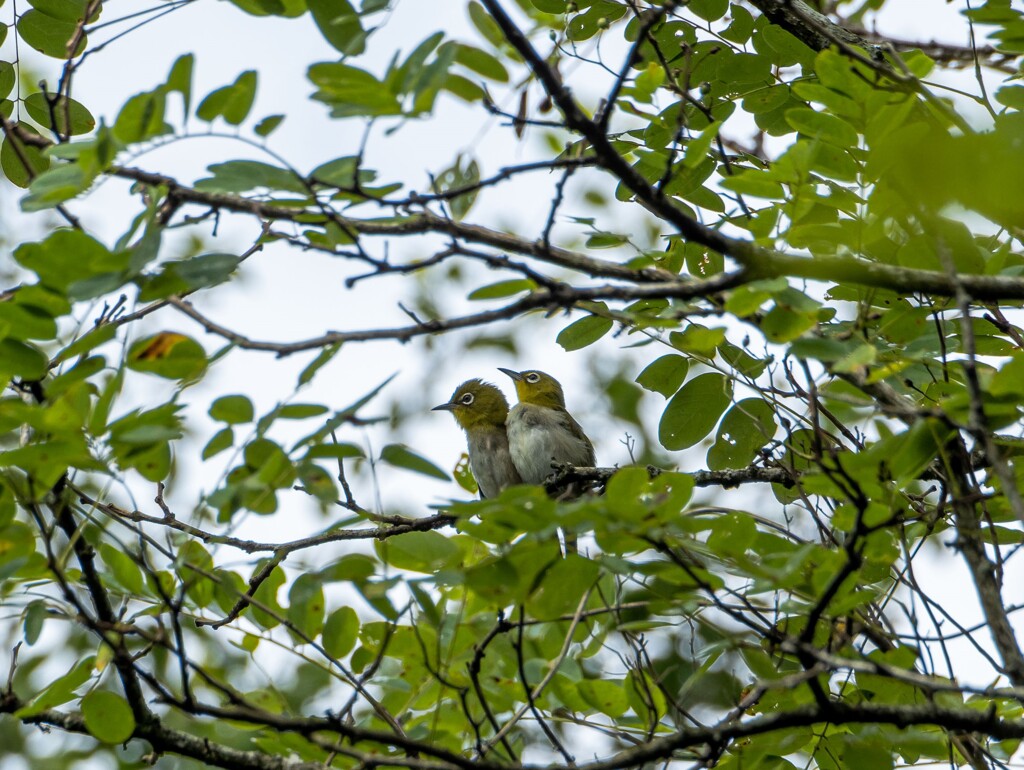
(444, 407)
(514, 375)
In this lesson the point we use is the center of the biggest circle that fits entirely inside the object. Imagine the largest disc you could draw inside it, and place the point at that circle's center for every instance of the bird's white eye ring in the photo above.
(467, 399)
(533, 377)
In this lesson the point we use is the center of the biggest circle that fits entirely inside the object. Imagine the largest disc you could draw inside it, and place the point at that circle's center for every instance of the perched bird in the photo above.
(480, 409)
(541, 431)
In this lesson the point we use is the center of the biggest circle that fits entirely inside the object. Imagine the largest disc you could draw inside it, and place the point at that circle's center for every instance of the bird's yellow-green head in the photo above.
(533, 387)
(476, 404)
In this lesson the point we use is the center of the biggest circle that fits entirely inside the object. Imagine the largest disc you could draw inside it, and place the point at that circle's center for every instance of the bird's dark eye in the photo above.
(533, 377)
(467, 399)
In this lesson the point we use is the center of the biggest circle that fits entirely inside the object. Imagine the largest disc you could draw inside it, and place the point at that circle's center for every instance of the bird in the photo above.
(541, 431)
(480, 409)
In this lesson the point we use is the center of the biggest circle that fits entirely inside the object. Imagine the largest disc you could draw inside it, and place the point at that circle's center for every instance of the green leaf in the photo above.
(339, 23)
(55, 186)
(709, 10)
(340, 172)
(7, 78)
(605, 695)
(340, 632)
(550, 6)
(485, 25)
(697, 148)
(231, 102)
(50, 36)
(266, 595)
(502, 289)
(821, 125)
(352, 409)
(47, 461)
(694, 411)
(460, 175)
(764, 100)
(287, 8)
(606, 240)
(179, 79)
(464, 475)
(322, 358)
(20, 162)
(232, 409)
(747, 300)
(188, 275)
(142, 118)
(793, 314)
(269, 463)
(306, 605)
(268, 125)
(143, 428)
(72, 11)
(22, 359)
(742, 25)
(194, 565)
(316, 481)
(338, 451)
(401, 456)
(221, 440)
(783, 48)
(419, 551)
(355, 568)
(170, 355)
(463, 88)
(741, 71)
(858, 358)
(624, 490)
(664, 375)
(352, 92)
(125, 570)
(300, 411)
(563, 586)
(759, 184)
(746, 427)
(25, 322)
(108, 717)
(65, 116)
(698, 340)
(583, 332)
(236, 176)
(481, 62)
(59, 691)
(35, 617)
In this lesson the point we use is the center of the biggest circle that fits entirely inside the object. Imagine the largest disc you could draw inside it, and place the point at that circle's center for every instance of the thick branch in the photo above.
(164, 739)
(793, 16)
(562, 297)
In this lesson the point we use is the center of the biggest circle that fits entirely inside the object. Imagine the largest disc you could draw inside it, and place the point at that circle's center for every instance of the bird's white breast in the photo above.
(538, 436)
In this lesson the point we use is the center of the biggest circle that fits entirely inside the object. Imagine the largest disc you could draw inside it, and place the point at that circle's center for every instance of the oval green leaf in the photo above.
(585, 331)
(232, 409)
(65, 116)
(340, 632)
(419, 551)
(108, 716)
(402, 457)
(694, 411)
(168, 354)
(48, 35)
(746, 427)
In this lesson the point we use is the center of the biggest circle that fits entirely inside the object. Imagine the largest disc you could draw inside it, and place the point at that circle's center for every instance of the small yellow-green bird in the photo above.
(541, 431)
(480, 409)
